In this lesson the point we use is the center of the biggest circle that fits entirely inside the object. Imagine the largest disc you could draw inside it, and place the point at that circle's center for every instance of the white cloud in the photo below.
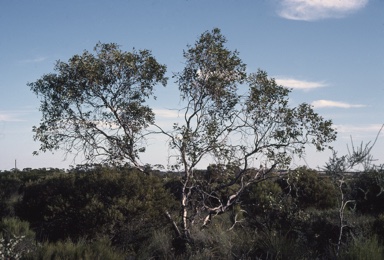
(328, 103)
(310, 10)
(299, 84)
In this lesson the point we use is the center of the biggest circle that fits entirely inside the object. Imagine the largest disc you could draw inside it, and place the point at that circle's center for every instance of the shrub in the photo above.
(275, 245)
(363, 248)
(16, 239)
(125, 206)
(379, 226)
(220, 240)
(266, 205)
(310, 189)
(9, 193)
(158, 246)
(97, 250)
(368, 193)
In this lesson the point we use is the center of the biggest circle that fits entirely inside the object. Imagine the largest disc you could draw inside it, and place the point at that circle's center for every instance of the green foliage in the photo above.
(12, 184)
(274, 245)
(368, 192)
(123, 206)
(319, 230)
(9, 193)
(267, 207)
(158, 246)
(16, 239)
(363, 248)
(216, 241)
(127, 208)
(379, 226)
(309, 231)
(263, 197)
(277, 130)
(98, 250)
(208, 85)
(310, 189)
(95, 103)
(210, 77)
(15, 227)
(221, 240)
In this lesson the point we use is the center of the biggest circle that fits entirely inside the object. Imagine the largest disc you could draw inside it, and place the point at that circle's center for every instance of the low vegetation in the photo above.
(101, 212)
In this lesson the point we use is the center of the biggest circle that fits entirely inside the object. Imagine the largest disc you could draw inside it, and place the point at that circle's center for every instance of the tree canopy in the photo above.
(95, 103)
(233, 127)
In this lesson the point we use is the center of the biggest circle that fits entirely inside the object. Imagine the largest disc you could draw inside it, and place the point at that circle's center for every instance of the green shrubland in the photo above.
(105, 212)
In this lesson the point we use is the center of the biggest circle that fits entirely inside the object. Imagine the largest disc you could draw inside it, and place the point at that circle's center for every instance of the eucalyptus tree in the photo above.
(95, 104)
(233, 129)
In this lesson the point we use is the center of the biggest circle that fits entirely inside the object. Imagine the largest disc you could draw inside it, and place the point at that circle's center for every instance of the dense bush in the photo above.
(310, 189)
(12, 183)
(97, 250)
(126, 207)
(265, 204)
(379, 226)
(9, 193)
(100, 212)
(363, 248)
(368, 193)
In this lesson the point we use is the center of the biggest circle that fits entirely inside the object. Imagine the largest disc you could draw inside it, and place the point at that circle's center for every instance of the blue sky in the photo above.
(331, 52)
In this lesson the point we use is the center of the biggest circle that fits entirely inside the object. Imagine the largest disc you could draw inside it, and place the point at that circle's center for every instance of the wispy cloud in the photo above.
(311, 10)
(166, 113)
(299, 84)
(35, 60)
(165, 118)
(9, 117)
(369, 128)
(329, 103)
(360, 132)
(16, 115)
